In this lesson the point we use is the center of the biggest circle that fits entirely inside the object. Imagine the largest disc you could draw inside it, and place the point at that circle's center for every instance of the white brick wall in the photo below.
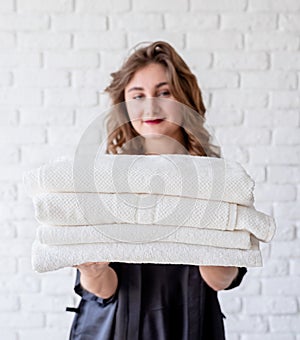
(55, 59)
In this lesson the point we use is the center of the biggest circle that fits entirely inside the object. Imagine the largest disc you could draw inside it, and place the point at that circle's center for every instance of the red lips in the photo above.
(155, 121)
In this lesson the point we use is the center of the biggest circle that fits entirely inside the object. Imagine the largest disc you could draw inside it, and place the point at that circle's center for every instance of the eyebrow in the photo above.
(136, 88)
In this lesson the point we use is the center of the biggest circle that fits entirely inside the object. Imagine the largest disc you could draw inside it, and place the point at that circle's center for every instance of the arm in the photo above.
(98, 278)
(217, 277)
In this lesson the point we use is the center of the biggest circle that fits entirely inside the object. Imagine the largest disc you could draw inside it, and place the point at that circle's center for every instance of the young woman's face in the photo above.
(152, 109)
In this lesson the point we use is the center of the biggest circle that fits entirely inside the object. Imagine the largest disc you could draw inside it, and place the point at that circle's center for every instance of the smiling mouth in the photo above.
(154, 121)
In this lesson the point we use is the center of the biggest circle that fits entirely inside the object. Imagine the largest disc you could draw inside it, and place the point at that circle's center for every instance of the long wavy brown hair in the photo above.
(183, 86)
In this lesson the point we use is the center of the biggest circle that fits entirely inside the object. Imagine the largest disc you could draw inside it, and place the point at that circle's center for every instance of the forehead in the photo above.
(150, 74)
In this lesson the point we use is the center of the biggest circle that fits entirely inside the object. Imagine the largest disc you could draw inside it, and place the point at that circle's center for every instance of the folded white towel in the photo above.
(168, 174)
(48, 258)
(91, 209)
(140, 233)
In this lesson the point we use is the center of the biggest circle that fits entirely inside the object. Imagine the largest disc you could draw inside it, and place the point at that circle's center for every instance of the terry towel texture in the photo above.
(47, 258)
(90, 209)
(168, 174)
(140, 233)
(171, 208)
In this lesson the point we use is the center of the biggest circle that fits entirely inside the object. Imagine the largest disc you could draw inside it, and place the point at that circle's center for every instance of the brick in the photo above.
(8, 265)
(8, 117)
(270, 305)
(84, 117)
(7, 191)
(272, 268)
(41, 78)
(284, 174)
(58, 286)
(9, 154)
(8, 230)
(271, 118)
(90, 79)
(269, 41)
(243, 136)
(26, 22)
(257, 173)
(15, 210)
(215, 5)
(45, 116)
(247, 324)
(11, 172)
(6, 6)
(110, 60)
(286, 248)
(217, 79)
(269, 336)
(173, 38)
(15, 97)
(295, 266)
(285, 230)
(7, 40)
(197, 60)
(159, 6)
(286, 60)
(109, 6)
(5, 79)
(22, 135)
(248, 22)
(9, 59)
(26, 229)
(20, 284)
(132, 22)
(71, 60)
(70, 97)
(9, 334)
(60, 6)
(289, 22)
(270, 80)
(287, 136)
(9, 303)
(239, 99)
(224, 117)
(274, 5)
(79, 22)
(37, 155)
(39, 302)
(275, 192)
(285, 99)
(230, 304)
(16, 247)
(191, 21)
(103, 40)
(24, 265)
(23, 320)
(44, 40)
(235, 153)
(287, 155)
(50, 334)
(58, 135)
(215, 40)
(59, 320)
(289, 323)
(240, 60)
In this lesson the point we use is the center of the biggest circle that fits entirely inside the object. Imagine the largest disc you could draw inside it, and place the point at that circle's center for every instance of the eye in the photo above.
(138, 96)
(164, 93)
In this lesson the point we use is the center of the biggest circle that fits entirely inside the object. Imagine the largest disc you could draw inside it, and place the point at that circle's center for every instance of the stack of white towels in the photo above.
(170, 208)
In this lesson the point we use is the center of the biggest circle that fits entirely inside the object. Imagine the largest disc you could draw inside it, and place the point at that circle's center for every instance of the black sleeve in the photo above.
(88, 296)
(237, 281)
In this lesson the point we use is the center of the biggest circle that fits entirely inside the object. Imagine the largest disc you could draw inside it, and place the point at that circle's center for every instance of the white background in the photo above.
(55, 59)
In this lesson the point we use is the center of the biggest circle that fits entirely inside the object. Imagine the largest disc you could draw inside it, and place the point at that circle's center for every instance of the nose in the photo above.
(151, 107)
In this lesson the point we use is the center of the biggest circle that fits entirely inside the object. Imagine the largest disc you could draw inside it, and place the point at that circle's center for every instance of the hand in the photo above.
(98, 278)
(92, 269)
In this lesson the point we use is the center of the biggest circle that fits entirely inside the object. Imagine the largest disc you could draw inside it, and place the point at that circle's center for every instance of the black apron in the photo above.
(152, 302)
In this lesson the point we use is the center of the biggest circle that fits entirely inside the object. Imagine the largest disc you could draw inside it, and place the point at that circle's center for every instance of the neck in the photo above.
(164, 145)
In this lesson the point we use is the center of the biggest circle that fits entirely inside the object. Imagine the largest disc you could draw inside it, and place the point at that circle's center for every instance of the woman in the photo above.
(153, 301)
